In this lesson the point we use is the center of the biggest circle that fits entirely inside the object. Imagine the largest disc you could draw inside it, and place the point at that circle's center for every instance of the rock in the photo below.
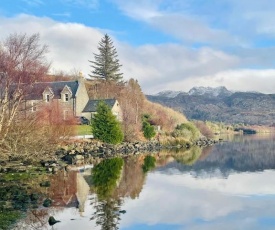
(45, 184)
(52, 221)
(47, 202)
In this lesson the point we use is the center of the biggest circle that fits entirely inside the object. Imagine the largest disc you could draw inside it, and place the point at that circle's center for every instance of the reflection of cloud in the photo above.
(217, 202)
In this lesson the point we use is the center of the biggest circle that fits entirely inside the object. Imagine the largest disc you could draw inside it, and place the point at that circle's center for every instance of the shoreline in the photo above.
(86, 152)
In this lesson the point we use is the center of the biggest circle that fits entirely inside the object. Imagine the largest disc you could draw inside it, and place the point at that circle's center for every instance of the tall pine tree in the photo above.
(106, 64)
(105, 126)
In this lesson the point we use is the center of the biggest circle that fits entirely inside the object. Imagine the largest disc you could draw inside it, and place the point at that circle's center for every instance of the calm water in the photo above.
(228, 186)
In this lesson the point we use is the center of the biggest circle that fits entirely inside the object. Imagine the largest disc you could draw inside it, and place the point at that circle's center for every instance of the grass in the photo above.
(16, 176)
(83, 129)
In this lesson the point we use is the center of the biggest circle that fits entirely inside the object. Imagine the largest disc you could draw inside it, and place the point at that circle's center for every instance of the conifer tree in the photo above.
(105, 126)
(106, 64)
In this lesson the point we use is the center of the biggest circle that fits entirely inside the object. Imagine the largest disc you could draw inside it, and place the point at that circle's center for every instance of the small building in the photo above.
(90, 108)
(63, 99)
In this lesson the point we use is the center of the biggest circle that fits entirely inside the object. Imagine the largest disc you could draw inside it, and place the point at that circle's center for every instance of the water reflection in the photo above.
(246, 154)
(228, 186)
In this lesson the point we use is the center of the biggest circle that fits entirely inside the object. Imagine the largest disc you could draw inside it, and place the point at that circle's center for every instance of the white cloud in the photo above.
(71, 45)
(156, 67)
(92, 4)
(141, 10)
(34, 2)
(262, 80)
(170, 20)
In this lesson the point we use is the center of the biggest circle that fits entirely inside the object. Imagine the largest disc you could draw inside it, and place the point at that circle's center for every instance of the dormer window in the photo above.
(66, 93)
(33, 107)
(66, 97)
(47, 97)
(48, 94)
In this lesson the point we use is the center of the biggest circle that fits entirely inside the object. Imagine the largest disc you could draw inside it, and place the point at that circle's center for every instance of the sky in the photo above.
(164, 44)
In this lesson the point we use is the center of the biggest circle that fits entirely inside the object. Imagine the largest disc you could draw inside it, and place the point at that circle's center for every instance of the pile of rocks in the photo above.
(87, 152)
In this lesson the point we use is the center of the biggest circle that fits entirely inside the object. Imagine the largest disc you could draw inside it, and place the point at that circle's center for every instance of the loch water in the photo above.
(230, 185)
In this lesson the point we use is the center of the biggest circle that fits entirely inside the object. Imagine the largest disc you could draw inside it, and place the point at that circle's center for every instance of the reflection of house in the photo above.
(83, 190)
(90, 108)
(63, 189)
(69, 189)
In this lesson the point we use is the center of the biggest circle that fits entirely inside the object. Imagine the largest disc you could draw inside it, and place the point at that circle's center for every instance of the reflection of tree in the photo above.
(189, 157)
(133, 178)
(205, 152)
(107, 204)
(107, 213)
(35, 219)
(149, 163)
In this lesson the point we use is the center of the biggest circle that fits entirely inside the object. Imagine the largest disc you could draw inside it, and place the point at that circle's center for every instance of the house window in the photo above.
(66, 97)
(66, 115)
(33, 107)
(47, 97)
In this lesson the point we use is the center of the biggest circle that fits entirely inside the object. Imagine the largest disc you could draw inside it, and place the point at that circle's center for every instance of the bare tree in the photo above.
(22, 63)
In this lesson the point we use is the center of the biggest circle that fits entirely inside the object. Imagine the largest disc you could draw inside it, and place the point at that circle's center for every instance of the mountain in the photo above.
(169, 93)
(211, 92)
(220, 104)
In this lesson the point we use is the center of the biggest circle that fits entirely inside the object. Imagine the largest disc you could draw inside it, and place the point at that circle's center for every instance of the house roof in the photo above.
(92, 104)
(38, 88)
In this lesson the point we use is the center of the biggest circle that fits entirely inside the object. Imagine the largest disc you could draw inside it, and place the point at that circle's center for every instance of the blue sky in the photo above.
(164, 44)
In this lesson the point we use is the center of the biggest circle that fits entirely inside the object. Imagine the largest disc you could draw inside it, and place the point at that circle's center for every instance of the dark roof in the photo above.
(92, 104)
(38, 88)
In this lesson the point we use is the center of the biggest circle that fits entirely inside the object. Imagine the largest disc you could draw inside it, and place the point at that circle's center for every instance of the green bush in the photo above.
(105, 126)
(148, 130)
(187, 130)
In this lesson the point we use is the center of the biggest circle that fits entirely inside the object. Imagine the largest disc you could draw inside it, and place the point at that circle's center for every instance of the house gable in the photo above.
(48, 94)
(91, 107)
(82, 97)
(66, 93)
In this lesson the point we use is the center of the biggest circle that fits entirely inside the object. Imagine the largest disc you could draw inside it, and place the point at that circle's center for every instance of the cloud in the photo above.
(70, 44)
(34, 2)
(92, 4)
(220, 23)
(156, 67)
(64, 14)
(178, 23)
(261, 80)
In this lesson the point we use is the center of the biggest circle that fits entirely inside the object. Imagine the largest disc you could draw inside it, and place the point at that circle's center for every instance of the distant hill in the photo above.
(220, 104)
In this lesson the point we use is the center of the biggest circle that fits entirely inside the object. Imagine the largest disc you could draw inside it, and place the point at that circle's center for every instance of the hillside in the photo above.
(220, 104)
